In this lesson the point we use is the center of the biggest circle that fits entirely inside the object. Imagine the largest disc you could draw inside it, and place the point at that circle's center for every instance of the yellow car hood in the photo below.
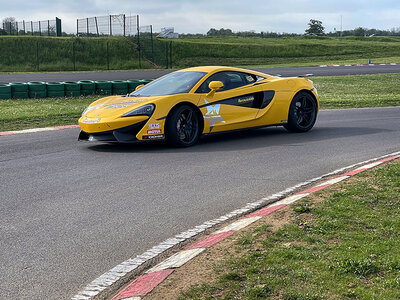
(115, 106)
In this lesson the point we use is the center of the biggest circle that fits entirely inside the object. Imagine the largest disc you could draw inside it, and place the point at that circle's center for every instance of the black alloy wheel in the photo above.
(182, 128)
(302, 113)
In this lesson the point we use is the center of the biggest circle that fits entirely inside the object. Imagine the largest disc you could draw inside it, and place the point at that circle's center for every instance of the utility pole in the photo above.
(341, 25)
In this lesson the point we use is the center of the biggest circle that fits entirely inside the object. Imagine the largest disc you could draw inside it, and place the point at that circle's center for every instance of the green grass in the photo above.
(346, 247)
(290, 51)
(18, 53)
(335, 92)
(358, 91)
(29, 54)
(32, 113)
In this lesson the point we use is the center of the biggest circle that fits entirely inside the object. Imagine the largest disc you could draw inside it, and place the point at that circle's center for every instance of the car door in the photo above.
(234, 105)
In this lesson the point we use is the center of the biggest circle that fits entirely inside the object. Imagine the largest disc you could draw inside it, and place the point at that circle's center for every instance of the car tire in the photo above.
(302, 113)
(183, 126)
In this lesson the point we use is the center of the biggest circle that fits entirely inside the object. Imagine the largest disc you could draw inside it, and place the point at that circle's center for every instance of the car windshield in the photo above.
(173, 83)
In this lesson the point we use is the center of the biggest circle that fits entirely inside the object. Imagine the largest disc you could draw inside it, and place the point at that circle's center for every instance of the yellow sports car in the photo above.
(183, 105)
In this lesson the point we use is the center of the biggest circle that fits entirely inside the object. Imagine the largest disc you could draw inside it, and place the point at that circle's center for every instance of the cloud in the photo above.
(190, 16)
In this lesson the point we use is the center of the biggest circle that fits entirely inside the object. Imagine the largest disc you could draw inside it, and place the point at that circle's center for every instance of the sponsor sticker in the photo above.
(154, 126)
(245, 100)
(153, 137)
(154, 131)
(91, 121)
(124, 103)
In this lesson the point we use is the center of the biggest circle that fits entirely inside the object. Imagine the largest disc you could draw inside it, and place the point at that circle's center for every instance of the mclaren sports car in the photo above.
(184, 105)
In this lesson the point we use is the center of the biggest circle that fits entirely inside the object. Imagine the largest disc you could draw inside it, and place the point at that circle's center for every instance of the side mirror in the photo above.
(139, 86)
(214, 86)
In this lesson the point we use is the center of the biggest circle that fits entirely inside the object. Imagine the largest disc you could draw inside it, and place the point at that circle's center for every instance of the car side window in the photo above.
(231, 80)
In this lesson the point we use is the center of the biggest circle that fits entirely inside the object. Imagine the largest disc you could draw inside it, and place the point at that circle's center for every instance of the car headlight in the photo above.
(85, 110)
(145, 110)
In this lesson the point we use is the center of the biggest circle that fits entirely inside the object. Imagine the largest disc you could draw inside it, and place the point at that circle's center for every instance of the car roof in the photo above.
(214, 69)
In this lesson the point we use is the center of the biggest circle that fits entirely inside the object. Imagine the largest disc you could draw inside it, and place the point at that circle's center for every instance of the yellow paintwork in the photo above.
(106, 114)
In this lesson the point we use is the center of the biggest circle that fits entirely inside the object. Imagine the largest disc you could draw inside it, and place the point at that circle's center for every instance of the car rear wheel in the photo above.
(302, 113)
(182, 128)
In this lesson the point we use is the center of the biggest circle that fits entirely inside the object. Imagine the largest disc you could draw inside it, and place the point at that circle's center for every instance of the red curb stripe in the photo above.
(389, 158)
(143, 284)
(354, 172)
(41, 129)
(314, 189)
(65, 126)
(266, 211)
(6, 133)
(211, 240)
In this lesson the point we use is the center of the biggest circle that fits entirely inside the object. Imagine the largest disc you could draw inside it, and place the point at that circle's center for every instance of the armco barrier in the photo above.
(5, 91)
(52, 89)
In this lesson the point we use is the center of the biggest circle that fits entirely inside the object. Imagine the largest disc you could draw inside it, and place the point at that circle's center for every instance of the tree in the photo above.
(315, 27)
(221, 32)
(9, 25)
(359, 31)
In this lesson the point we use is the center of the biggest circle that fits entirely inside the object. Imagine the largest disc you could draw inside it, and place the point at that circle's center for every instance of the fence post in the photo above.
(87, 26)
(152, 44)
(23, 22)
(166, 55)
(124, 24)
(77, 27)
(58, 27)
(48, 27)
(97, 27)
(108, 57)
(16, 26)
(40, 29)
(32, 27)
(110, 26)
(37, 56)
(170, 54)
(138, 41)
(73, 55)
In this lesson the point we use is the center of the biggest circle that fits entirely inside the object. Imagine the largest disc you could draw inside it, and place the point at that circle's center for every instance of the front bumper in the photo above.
(121, 135)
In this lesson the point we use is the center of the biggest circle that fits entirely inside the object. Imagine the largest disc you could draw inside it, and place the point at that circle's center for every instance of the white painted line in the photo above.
(238, 224)
(290, 199)
(132, 298)
(177, 260)
(347, 65)
(33, 130)
(333, 181)
(101, 284)
(323, 66)
(369, 166)
(392, 64)
(382, 64)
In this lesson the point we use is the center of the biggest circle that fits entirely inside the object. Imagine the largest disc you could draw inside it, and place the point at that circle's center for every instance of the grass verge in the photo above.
(35, 113)
(340, 243)
(286, 51)
(376, 90)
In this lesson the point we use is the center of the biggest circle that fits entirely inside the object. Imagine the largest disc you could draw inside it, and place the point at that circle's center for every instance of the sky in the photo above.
(198, 16)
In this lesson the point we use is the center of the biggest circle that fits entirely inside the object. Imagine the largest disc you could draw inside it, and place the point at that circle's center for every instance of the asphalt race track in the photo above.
(72, 210)
(147, 74)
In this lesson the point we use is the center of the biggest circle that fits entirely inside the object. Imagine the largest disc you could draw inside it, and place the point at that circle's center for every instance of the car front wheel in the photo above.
(302, 113)
(182, 128)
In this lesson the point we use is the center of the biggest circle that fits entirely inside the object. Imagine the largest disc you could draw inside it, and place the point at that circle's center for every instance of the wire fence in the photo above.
(40, 28)
(120, 25)
(140, 47)
(156, 51)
